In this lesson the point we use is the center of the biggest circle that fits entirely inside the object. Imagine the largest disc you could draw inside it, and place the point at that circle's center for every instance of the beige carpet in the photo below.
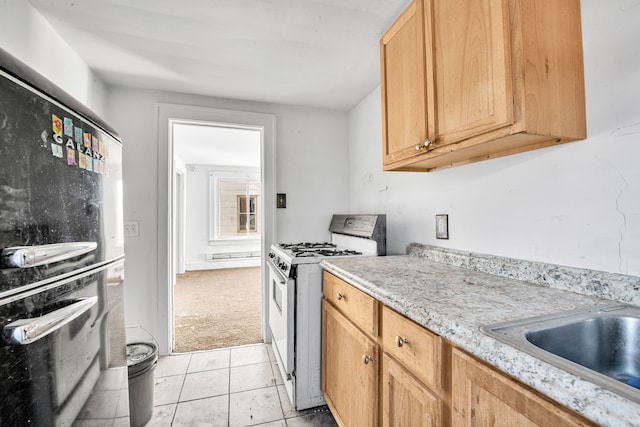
(217, 309)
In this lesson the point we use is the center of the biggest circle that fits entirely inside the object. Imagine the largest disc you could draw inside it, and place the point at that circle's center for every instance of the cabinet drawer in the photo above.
(419, 350)
(359, 307)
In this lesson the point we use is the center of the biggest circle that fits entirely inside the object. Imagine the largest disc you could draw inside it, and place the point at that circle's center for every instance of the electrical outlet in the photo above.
(131, 228)
(442, 226)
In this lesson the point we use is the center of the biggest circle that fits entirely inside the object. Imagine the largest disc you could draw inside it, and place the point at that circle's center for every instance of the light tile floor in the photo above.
(233, 387)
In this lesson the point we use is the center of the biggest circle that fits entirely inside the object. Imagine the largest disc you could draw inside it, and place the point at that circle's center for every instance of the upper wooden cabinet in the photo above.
(404, 92)
(466, 81)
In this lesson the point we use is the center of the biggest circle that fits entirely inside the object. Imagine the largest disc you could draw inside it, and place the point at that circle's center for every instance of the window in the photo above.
(235, 205)
(247, 214)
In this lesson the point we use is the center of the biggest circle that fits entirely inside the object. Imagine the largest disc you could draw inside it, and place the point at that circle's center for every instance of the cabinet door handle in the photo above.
(339, 296)
(366, 359)
(425, 146)
(401, 341)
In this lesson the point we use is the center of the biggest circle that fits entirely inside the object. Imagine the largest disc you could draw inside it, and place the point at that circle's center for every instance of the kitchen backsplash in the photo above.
(613, 286)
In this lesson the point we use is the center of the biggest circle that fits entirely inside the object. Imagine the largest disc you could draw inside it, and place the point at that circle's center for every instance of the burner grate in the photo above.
(306, 246)
(325, 252)
(338, 252)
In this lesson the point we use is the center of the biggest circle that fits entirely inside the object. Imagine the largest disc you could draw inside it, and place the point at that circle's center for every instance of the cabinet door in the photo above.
(483, 397)
(349, 371)
(406, 402)
(472, 67)
(404, 85)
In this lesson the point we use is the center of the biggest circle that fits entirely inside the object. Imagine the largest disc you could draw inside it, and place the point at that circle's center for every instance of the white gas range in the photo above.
(295, 299)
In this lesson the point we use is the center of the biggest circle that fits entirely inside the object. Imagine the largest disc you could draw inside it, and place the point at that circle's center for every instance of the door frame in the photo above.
(179, 206)
(166, 115)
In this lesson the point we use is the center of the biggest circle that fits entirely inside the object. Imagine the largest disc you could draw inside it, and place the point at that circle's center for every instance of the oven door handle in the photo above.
(27, 331)
(283, 278)
(34, 256)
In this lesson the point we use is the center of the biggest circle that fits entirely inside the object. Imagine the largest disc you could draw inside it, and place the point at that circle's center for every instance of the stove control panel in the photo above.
(283, 266)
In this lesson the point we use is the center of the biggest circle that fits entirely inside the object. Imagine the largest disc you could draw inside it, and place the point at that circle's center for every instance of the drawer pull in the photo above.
(425, 146)
(401, 341)
(366, 359)
(339, 296)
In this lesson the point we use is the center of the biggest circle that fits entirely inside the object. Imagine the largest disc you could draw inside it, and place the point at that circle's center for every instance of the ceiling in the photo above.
(319, 53)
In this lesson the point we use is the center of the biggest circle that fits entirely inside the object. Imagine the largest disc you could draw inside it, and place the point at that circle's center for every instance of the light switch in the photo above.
(281, 201)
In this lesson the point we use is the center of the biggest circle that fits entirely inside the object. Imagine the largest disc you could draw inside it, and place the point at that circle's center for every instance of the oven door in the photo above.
(282, 316)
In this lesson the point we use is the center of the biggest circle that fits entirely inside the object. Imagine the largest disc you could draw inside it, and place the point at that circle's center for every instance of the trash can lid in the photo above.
(138, 352)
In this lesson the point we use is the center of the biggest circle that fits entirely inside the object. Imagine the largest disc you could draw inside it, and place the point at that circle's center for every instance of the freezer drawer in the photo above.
(61, 345)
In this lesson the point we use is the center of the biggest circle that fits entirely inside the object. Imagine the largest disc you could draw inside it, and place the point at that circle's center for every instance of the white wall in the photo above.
(576, 204)
(25, 34)
(311, 168)
(197, 227)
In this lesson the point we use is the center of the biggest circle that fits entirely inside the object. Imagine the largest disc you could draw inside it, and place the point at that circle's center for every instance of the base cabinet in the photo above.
(380, 368)
(406, 401)
(483, 396)
(349, 371)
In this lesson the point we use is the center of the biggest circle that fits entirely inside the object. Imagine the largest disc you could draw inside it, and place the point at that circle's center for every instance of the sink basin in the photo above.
(599, 344)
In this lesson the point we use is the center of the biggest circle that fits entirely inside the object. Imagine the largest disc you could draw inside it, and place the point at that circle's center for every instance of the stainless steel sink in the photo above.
(600, 344)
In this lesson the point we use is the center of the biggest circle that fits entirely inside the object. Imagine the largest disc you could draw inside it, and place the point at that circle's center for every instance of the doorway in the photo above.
(227, 301)
(218, 222)
(167, 116)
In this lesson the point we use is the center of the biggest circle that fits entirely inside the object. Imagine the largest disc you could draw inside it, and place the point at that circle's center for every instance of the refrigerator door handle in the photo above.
(34, 256)
(26, 331)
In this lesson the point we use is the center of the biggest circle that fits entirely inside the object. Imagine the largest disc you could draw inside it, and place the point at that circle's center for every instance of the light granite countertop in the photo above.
(455, 302)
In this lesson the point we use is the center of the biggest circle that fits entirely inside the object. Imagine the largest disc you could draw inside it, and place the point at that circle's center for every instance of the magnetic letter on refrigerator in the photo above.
(56, 150)
(77, 135)
(71, 156)
(68, 126)
(56, 124)
(87, 139)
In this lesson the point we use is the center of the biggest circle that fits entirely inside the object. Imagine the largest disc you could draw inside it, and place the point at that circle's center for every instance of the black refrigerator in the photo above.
(63, 345)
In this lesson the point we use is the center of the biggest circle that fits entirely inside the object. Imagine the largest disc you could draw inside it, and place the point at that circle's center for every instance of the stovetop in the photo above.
(316, 249)
(285, 256)
(307, 245)
(327, 252)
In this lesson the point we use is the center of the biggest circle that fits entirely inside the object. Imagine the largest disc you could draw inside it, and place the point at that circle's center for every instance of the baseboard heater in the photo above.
(232, 255)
